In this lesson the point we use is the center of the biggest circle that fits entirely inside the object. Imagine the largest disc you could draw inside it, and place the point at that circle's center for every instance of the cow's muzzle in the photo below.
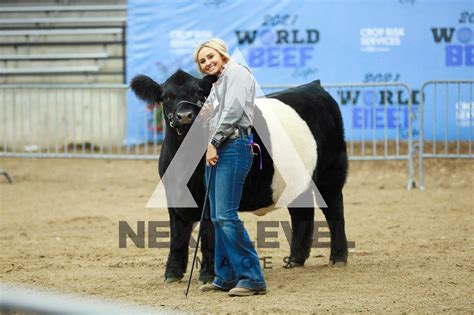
(180, 118)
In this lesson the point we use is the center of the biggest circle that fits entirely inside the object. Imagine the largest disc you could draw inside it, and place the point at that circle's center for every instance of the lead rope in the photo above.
(206, 198)
(254, 144)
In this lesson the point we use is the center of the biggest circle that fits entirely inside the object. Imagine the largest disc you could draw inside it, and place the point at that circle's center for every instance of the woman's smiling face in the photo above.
(210, 61)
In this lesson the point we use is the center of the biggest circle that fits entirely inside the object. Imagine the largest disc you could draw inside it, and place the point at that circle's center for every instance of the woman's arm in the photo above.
(237, 88)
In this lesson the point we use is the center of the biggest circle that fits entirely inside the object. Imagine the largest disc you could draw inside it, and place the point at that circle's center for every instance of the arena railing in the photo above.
(69, 121)
(90, 121)
(378, 120)
(446, 129)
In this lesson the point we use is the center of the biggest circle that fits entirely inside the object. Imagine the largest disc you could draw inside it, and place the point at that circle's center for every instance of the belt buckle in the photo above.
(235, 134)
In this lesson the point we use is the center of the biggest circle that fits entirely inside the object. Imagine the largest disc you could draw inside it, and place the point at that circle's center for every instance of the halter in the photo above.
(171, 115)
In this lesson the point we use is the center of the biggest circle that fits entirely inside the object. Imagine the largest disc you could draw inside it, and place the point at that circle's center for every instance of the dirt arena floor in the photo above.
(413, 250)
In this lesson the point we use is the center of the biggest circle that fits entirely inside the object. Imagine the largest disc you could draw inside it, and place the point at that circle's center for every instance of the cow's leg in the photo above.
(207, 249)
(334, 214)
(180, 232)
(302, 227)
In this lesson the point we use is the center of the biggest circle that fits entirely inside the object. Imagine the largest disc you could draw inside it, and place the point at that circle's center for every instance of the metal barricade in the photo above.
(378, 120)
(90, 121)
(446, 121)
(71, 121)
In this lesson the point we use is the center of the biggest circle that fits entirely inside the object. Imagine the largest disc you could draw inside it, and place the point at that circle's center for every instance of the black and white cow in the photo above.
(312, 120)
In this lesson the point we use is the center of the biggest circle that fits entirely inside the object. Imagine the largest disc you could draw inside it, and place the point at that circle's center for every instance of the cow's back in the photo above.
(323, 116)
(312, 120)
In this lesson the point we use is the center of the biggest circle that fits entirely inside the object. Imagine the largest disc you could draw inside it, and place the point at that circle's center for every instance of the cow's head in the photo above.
(181, 96)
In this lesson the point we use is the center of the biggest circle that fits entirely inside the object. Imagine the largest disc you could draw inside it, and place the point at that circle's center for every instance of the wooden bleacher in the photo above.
(75, 42)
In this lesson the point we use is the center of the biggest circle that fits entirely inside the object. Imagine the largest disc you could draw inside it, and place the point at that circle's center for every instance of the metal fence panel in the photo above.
(90, 121)
(378, 120)
(446, 121)
(68, 121)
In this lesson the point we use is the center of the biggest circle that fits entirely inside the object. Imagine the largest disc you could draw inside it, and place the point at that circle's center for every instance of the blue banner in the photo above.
(294, 42)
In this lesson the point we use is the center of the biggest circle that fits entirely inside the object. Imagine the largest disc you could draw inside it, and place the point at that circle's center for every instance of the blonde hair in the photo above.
(215, 43)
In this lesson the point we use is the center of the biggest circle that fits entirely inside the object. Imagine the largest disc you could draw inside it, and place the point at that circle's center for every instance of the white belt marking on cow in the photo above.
(300, 135)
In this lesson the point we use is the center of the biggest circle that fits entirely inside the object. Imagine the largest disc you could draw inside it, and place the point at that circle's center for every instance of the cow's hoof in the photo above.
(172, 280)
(206, 279)
(292, 264)
(201, 282)
(337, 264)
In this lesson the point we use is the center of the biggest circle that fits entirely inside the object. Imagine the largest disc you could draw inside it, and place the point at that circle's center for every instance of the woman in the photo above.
(229, 157)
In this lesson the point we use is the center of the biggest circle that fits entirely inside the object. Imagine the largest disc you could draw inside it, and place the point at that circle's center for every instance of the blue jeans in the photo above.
(236, 262)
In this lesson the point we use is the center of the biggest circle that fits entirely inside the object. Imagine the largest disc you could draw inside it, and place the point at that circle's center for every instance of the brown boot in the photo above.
(210, 287)
(245, 291)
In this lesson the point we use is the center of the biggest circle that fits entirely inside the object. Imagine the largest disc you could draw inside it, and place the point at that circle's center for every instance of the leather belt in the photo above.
(238, 132)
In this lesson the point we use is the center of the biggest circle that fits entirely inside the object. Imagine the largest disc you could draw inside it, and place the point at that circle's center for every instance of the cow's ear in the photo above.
(206, 83)
(146, 89)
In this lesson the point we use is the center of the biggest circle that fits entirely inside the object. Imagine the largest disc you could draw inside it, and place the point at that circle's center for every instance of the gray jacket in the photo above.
(233, 99)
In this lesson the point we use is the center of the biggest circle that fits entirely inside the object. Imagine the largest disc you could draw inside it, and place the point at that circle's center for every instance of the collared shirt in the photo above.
(233, 99)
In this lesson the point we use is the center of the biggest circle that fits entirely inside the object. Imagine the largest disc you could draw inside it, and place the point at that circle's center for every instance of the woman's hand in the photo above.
(211, 155)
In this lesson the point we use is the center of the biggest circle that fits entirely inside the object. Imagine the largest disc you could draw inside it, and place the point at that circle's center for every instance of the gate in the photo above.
(446, 121)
